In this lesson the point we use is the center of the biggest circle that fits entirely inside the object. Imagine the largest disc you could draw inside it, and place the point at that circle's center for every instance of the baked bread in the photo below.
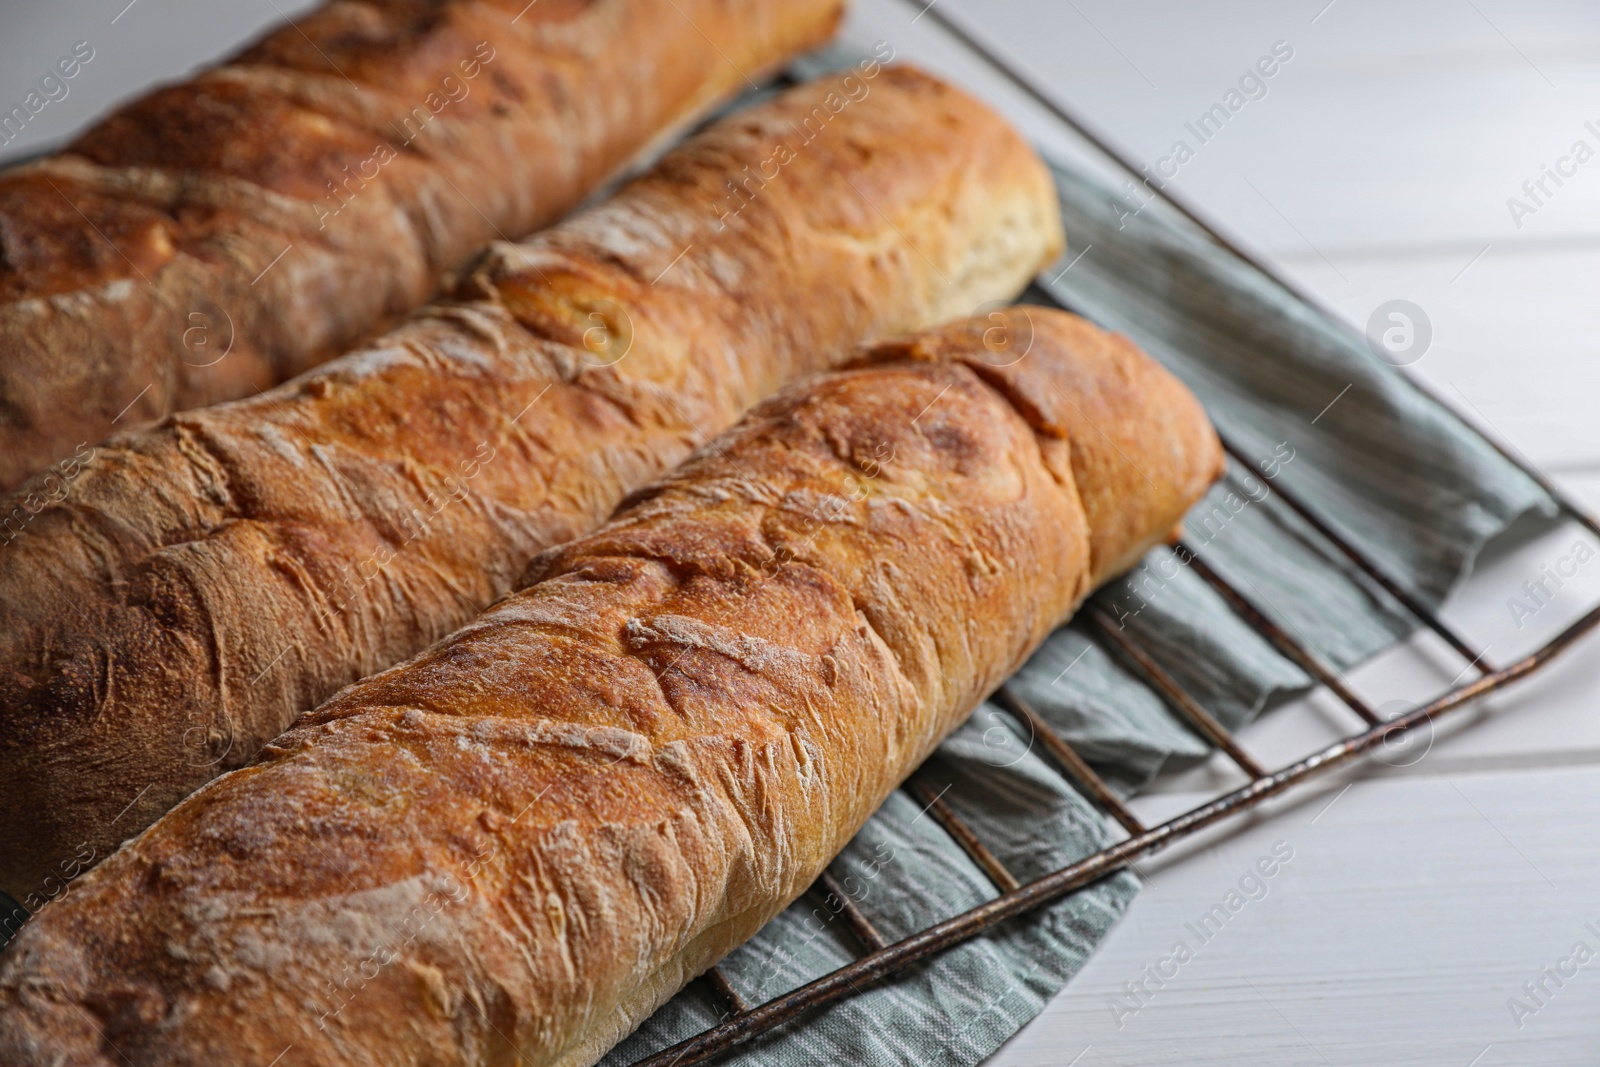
(524, 840)
(372, 145)
(203, 583)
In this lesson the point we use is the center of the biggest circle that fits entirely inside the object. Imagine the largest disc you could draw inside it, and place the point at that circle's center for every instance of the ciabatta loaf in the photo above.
(221, 235)
(199, 585)
(514, 847)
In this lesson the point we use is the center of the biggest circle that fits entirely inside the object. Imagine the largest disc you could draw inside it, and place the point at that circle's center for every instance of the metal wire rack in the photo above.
(880, 959)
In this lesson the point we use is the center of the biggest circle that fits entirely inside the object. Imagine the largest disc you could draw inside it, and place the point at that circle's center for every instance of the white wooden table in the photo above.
(1377, 165)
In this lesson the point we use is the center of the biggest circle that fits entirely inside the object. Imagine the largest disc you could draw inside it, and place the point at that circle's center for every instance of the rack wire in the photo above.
(881, 959)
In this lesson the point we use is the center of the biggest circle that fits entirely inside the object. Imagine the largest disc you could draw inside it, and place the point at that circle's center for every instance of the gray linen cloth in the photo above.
(1391, 469)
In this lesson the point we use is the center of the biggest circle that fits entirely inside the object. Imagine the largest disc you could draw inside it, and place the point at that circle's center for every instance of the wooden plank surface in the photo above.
(1377, 165)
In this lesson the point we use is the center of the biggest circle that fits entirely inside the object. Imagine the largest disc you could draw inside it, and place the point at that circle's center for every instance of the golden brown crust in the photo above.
(526, 838)
(1129, 470)
(203, 583)
(373, 145)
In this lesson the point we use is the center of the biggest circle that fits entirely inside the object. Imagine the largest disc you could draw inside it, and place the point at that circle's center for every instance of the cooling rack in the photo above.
(880, 959)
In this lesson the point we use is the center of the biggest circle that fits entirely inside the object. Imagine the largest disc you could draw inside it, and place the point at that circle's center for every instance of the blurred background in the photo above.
(1398, 151)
